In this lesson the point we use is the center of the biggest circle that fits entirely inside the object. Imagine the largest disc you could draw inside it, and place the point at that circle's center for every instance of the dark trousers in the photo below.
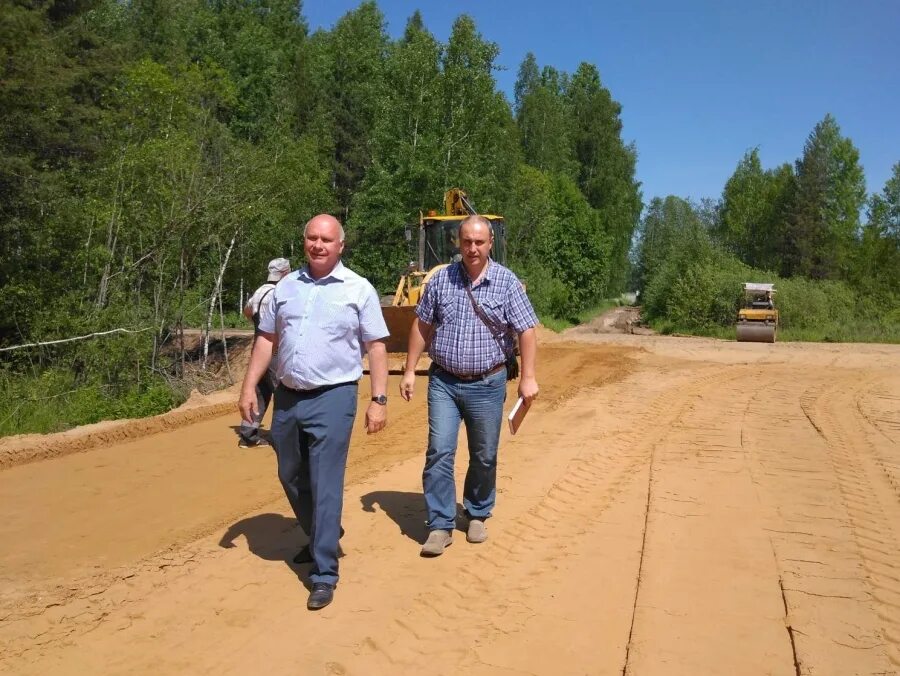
(311, 434)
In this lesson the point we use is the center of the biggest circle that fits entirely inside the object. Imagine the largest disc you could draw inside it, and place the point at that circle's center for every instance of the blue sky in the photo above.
(702, 81)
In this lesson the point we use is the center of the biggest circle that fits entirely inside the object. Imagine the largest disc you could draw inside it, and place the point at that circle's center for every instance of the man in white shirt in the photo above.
(322, 319)
(262, 298)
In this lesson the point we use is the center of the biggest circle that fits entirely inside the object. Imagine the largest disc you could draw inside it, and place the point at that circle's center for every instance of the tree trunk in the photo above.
(212, 300)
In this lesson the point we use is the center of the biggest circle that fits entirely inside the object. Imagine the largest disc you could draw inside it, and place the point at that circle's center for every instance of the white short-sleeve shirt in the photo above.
(322, 325)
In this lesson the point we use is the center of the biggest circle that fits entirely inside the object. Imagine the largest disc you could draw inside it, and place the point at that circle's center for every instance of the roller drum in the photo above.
(755, 332)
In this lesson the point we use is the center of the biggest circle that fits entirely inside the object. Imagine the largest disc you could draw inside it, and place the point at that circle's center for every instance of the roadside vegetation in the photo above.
(155, 155)
(837, 277)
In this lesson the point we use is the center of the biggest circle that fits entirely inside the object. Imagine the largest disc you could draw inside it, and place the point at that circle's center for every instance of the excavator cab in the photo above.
(442, 240)
(438, 246)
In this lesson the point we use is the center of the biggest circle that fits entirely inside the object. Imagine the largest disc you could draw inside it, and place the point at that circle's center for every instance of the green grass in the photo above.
(554, 324)
(53, 402)
(585, 316)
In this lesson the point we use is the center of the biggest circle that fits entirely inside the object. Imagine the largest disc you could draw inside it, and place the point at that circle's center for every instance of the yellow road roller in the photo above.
(757, 320)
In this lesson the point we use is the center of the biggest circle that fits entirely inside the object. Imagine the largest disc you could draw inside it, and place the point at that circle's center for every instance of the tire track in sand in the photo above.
(869, 490)
(708, 569)
(533, 546)
(810, 489)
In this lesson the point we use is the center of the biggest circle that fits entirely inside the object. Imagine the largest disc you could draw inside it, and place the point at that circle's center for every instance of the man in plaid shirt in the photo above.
(467, 380)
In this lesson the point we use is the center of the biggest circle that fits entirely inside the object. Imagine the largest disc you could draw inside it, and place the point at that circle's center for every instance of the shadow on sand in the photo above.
(271, 537)
(405, 509)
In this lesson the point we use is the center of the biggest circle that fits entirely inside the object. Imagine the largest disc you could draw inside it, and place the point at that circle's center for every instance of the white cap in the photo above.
(278, 268)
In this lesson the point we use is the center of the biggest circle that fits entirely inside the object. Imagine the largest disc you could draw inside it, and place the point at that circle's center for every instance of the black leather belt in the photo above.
(316, 390)
(477, 376)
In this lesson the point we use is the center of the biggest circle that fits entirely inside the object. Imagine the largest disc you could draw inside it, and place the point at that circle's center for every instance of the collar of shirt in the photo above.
(485, 276)
(338, 273)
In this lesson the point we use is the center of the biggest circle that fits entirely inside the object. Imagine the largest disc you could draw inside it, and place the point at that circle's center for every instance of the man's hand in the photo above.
(419, 338)
(528, 389)
(408, 385)
(248, 405)
(260, 357)
(376, 418)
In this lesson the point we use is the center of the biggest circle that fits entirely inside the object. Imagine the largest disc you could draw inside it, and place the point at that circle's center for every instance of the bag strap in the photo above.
(259, 307)
(498, 335)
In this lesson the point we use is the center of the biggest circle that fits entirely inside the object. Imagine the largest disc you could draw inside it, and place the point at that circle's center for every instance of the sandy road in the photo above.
(671, 506)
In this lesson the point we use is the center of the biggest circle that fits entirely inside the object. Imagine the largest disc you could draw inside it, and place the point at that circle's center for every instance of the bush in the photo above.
(547, 294)
(706, 295)
(53, 401)
(808, 304)
(704, 299)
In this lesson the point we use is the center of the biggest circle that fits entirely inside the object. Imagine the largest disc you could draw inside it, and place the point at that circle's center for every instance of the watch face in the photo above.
(380, 399)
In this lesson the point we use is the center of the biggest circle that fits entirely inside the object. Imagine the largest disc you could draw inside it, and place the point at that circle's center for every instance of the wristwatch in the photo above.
(380, 399)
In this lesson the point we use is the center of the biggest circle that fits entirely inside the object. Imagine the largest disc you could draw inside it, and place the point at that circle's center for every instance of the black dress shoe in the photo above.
(321, 595)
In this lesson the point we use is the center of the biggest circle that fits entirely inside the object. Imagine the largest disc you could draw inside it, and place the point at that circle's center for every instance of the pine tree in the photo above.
(348, 70)
(544, 118)
(824, 217)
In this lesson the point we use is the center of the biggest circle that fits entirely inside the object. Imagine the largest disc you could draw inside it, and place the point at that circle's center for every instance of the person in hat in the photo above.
(260, 300)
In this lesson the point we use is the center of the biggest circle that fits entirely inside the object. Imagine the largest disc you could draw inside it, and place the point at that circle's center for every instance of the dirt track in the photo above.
(671, 506)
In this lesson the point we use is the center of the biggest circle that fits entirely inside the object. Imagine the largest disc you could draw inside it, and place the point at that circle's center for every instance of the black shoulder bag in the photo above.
(512, 363)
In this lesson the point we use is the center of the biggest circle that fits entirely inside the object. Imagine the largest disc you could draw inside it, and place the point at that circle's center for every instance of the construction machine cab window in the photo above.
(442, 240)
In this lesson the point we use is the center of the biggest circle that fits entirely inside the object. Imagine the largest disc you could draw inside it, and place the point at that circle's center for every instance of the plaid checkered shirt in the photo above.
(462, 344)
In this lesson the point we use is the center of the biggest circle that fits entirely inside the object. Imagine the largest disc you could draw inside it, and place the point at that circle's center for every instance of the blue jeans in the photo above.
(478, 403)
(311, 433)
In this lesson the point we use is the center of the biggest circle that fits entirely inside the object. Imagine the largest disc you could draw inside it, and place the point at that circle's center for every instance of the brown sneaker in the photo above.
(477, 531)
(437, 542)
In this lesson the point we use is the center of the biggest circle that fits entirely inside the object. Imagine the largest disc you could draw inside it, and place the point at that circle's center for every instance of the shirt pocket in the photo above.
(493, 307)
(341, 320)
(446, 311)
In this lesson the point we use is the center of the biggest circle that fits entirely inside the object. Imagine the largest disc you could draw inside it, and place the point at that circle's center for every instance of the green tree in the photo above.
(55, 67)
(672, 237)
(347, 70)
(260, 45)
(606, 166)
(478, 144)
(754, 211)
(544, 118)
(824, 217)
(877, 267)
(405, 174)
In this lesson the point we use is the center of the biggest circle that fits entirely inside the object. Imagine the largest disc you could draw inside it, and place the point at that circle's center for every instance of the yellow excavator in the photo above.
(438, 246)
(757, 320)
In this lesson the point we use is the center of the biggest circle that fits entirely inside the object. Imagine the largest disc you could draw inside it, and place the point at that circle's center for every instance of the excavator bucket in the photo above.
(399, 320)
(755, 332)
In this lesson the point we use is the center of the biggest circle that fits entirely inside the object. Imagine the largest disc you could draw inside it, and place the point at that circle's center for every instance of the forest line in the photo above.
(156, 154)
